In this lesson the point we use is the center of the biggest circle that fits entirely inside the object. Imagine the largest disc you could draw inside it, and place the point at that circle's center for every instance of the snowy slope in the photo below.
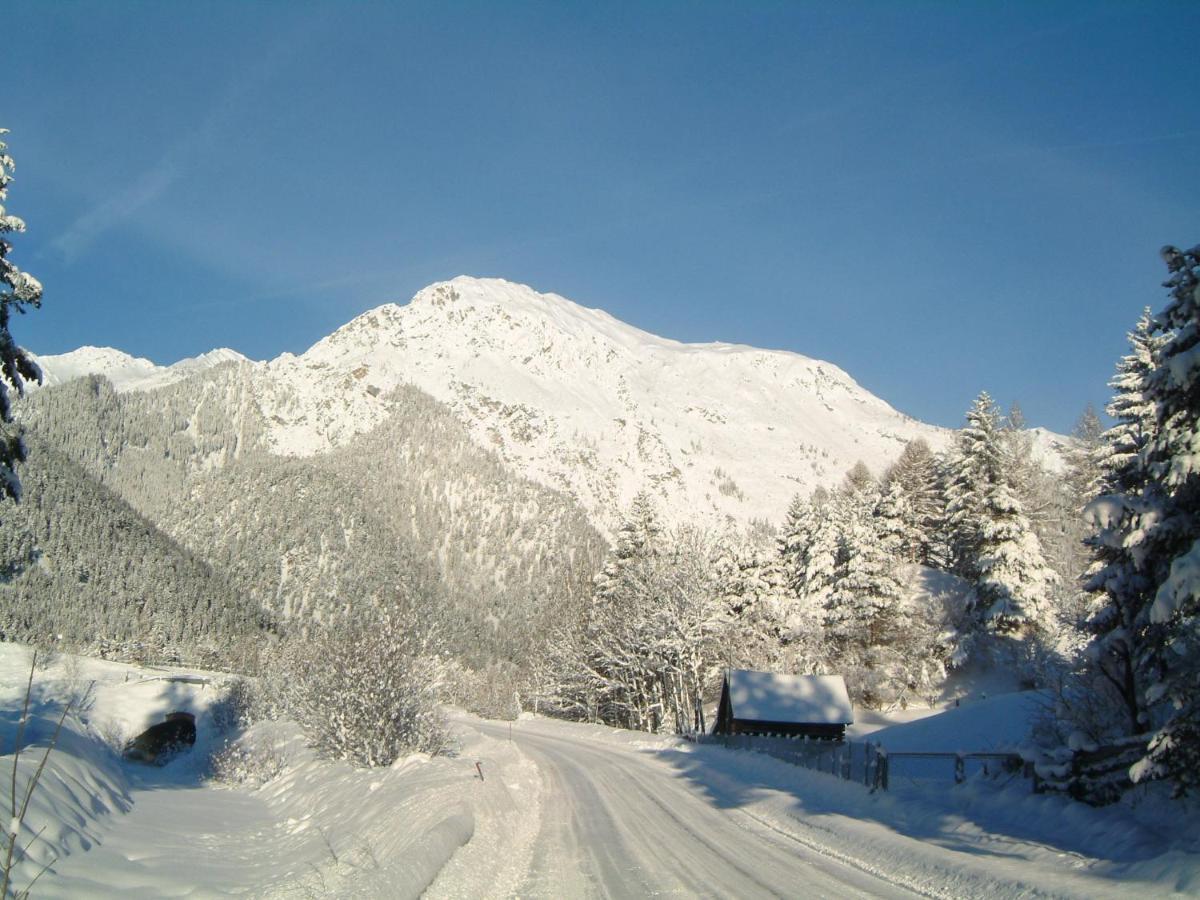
(574, 399)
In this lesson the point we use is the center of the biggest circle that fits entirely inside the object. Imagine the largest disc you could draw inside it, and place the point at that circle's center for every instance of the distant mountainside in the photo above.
(568, 397)
(467, 454)
(81, 565)
(412, 513)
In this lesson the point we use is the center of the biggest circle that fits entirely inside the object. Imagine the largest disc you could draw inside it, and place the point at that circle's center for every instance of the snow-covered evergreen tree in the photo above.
(864, 614)
(20, 290)
(1117, 572)
(750, 582)
(1133, 409)
(820, 561)
(1014, 584)
(993, 544)
(894, 522)
(863, 608)
(974, 465)
(1147, 644)
(1064, 530)
(915, 473)
(794, 539)
(1085, 460)
(1168, 525)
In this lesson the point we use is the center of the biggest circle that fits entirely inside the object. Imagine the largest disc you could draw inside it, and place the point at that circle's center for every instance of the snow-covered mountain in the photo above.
(127, 373)
(572, 398)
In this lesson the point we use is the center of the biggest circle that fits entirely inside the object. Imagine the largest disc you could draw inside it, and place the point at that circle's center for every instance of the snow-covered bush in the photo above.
(236, 705)
(364, 689)
(254, 763)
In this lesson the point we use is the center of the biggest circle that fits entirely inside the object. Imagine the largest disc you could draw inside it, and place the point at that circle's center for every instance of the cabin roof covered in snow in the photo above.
(806, 699)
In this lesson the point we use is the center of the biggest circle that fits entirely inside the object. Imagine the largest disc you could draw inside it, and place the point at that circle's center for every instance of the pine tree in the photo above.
(916, 474)
(1037, 491)
(1063, 530)
(992, 541)
(637, 542)
(1133, 409)
(1117, 572)
(1169, 526)
(20, 290)
(895, 521)
(1147, 535)
(820, 561)
(794, 539)
(751, 586)
(1014, 581)
(973, 467)
(1085, 456)
(865, 613)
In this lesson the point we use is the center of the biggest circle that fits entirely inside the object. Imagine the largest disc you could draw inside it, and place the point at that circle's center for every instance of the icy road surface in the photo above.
(619, 823)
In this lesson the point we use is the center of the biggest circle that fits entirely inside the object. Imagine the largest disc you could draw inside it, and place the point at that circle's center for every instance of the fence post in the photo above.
(960, 769)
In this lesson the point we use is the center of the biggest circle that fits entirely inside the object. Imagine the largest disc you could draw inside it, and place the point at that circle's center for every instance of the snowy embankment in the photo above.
(112, 828)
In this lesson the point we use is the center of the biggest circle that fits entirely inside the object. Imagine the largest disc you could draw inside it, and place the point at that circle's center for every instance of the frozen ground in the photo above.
(562, 810)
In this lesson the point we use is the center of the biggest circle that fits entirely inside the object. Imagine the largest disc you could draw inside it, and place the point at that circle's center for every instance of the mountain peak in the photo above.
(575, 399)
(583, 402)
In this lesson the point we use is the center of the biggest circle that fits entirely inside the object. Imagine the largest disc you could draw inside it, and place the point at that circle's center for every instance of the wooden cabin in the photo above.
(814, 706)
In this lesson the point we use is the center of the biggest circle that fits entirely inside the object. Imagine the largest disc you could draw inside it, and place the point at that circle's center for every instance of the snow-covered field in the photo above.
(561, 810)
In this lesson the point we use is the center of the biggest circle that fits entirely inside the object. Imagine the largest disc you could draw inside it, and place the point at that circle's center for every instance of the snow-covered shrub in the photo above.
(235, 706)
(113, 733)
(243, 763)
(365, 688)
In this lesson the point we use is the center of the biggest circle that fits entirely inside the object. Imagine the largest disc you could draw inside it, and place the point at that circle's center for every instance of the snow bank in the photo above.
(118, 829)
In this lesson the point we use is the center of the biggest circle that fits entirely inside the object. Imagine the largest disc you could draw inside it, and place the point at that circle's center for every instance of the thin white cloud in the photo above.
(97, 220)
(187, 152)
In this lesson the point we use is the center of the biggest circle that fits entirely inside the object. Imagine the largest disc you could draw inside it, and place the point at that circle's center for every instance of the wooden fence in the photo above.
(1095, 775)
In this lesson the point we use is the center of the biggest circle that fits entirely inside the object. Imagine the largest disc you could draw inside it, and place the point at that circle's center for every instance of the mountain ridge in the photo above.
(574, 399)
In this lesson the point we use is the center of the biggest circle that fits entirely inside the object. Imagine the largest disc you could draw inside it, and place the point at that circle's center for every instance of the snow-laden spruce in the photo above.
(1145, 656)
(20, 290)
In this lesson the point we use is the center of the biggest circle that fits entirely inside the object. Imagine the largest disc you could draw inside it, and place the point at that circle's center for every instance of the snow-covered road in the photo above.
(619, 823)
(565, 810)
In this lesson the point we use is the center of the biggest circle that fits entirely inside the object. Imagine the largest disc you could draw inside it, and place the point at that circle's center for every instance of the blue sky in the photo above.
(940, 198)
